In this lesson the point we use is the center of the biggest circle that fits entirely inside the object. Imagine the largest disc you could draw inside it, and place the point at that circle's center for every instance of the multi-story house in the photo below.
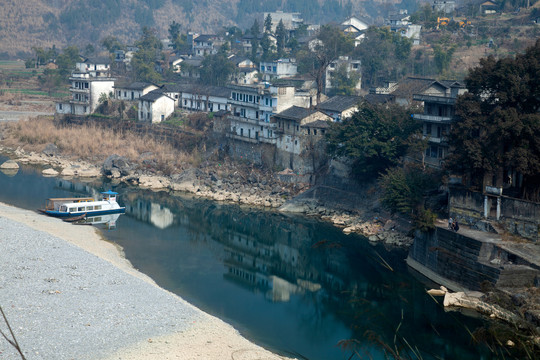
(291, 21)
(300, 141)
(437, 118)
(278, 69)
(351, 66)
(205, 98)
(252, 107)
(206, 44)
(155, 107)
(133, 91)
(89, 81)
(340, 107)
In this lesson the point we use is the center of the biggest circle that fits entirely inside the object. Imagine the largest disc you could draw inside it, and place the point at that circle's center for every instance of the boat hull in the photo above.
(63, 214)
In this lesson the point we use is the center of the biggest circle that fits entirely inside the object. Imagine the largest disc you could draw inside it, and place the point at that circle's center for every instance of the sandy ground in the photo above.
(207, 339)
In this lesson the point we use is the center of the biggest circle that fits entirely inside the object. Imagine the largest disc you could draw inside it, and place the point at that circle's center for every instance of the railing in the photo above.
(432, 118)
(435, 99)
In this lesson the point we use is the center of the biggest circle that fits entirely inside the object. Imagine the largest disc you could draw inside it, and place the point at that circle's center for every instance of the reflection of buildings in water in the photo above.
(108, 220)
(77, 187)
(156, 214)
(255, 264)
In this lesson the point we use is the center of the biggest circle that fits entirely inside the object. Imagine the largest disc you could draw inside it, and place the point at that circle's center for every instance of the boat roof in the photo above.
(109, 193)
(72, 199)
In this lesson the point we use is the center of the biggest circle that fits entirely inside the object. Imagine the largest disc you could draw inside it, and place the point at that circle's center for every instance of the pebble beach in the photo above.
(69, 294)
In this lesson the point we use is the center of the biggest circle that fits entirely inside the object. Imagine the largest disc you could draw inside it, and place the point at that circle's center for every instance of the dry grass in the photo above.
(95, 144)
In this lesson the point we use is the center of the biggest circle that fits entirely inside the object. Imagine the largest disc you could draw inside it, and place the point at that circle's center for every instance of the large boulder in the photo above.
(49, 172)
(187, 181)
(10, 165)
(51, 150)
(119, 163)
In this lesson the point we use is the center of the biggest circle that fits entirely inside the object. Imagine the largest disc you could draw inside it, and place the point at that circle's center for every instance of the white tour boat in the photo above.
(83, 207)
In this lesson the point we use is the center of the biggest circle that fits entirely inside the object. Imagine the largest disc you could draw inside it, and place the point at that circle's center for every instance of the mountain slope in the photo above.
(44, 23)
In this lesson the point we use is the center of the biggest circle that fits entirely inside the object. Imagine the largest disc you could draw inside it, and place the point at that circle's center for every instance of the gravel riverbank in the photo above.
(68, 294)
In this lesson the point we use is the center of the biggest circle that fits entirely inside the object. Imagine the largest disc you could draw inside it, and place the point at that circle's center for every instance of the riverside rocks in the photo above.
(228, 182)
(10, 165)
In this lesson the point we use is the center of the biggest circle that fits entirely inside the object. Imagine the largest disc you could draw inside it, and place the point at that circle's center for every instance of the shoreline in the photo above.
(200, 335)
(273, 195)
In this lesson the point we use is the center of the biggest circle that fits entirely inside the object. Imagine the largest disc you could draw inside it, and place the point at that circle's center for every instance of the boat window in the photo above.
(63, 208)
(81, 208)
(98, 207)
(89, 208)
(72, 209)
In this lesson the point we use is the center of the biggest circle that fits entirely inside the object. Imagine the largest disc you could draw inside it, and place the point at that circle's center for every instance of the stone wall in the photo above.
(257, 153)
(519, 217)
(459, 259)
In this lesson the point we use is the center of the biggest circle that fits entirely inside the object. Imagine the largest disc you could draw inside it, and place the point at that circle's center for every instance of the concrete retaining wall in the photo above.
(468, 262)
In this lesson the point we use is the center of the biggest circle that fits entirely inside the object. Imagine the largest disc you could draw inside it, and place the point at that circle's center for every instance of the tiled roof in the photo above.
(319, 124)
(339, 103)
(379, 98)
(153, 95)
(412, 85)
(136, 86)
(296, 113)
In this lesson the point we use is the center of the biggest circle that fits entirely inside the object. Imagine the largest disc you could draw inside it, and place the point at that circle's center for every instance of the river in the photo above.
(294, 285)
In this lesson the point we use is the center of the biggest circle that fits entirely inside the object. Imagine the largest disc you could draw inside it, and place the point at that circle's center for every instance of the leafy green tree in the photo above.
(268, 24)
(384, 54)
(498, 123)
(175, 36)
(374, 138)
(331, 42)
(281, 38)
(443, 56)
(216, 69)
(405, 190)
(343, 81)
(268, 48)
(148, 53)
(67, 59)
(111, 43)
(50, 80)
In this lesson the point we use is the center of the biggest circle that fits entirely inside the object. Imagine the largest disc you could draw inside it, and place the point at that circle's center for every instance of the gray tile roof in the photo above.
(153, 95)
(137, 86)
(295, 113)
(413, 85)
(340, 103)
(319, 124)
(379, 98)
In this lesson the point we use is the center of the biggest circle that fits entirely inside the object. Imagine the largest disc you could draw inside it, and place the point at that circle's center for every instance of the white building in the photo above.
(252, 107)
(155, 107)
(351, 66)
(291, 21)
(89, 81)
(133, 91)
(205, 98)
(278, 69)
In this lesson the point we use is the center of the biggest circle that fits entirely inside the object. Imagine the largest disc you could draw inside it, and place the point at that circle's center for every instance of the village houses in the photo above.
(88, 82)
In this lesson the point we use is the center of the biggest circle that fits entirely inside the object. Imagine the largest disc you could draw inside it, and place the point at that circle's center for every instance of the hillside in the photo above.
(44, 23)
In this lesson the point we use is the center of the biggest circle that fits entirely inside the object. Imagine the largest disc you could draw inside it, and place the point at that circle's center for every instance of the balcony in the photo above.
(433, 118)
(244, 103)
(435, 99)
(257, 122)
(437, 140)
(79, 90)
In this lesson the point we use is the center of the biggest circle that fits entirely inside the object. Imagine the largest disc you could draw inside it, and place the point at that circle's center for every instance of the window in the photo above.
(428, 129)
(60, 106)
(314, 131)
(80, 208)
(86, 85)
(89, 208)
(97, 207)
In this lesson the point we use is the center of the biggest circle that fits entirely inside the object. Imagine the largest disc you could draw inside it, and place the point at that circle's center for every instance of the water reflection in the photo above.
(289, 283)
(105, 221)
